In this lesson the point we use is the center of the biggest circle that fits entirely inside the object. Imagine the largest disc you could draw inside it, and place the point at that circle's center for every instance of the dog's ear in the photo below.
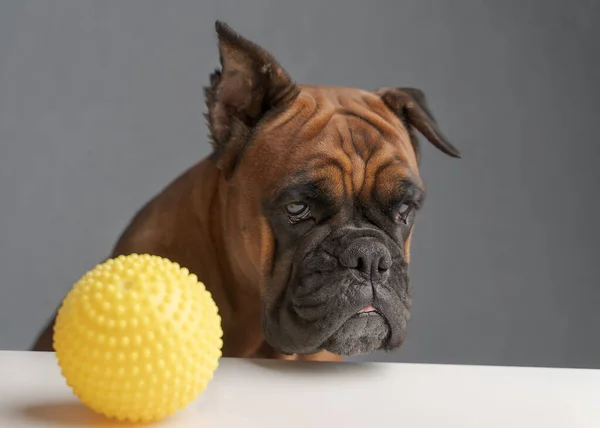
(410, 105)
(249, 84)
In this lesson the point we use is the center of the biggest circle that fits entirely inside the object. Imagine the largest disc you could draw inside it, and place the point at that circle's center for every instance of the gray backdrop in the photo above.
(101, 106)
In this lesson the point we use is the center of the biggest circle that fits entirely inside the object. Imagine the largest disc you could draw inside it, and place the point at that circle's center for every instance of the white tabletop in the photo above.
(257, 393)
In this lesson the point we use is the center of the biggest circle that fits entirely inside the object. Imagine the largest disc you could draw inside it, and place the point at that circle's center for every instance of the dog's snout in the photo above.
(367, 255)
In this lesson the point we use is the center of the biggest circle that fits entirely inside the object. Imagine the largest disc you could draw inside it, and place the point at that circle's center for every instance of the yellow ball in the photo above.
(137, 338)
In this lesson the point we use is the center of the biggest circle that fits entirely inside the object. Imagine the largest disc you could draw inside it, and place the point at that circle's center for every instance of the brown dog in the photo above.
(300, 221)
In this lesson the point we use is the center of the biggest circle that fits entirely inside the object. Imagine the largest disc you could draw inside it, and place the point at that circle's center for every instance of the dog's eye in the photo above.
(297, 211)
(403, 213)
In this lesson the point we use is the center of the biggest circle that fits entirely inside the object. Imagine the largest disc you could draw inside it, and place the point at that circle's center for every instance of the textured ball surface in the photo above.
(137, 338)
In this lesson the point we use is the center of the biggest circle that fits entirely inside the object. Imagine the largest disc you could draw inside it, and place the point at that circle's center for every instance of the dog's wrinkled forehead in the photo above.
(343, 136)
(253, 103)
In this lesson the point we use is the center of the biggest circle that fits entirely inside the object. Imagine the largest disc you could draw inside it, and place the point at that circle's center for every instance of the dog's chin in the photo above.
(363, 333)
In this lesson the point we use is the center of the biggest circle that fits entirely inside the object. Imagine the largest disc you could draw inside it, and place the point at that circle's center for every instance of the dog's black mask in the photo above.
(347, 293)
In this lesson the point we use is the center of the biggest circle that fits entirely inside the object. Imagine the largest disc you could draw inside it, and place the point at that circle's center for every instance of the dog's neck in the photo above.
(235, 291)
(185, 223)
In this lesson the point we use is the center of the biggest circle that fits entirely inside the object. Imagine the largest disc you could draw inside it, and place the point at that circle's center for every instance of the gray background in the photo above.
(101, 106)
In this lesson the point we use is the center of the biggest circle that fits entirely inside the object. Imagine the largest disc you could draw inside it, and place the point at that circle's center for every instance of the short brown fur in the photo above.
(210, 220)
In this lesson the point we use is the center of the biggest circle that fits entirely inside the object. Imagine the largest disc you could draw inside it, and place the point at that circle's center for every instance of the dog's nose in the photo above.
(367, 255)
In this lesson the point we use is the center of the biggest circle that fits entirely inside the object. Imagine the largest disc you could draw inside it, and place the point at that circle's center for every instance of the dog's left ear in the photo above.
(410, 105)
(249, 84)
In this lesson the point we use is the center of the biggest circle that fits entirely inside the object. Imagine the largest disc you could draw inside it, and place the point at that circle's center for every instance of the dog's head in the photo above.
(321, 188)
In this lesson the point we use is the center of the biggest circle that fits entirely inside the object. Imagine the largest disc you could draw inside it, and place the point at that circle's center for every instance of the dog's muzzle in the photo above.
(349, 295)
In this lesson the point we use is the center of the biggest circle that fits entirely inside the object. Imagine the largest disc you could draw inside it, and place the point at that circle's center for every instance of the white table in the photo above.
(246, 393)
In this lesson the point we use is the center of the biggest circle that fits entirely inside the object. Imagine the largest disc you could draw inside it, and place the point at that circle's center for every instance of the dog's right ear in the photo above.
(410, 105)
(249, 84)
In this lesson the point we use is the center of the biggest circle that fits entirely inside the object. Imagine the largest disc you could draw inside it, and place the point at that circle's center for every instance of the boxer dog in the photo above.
(300, 220)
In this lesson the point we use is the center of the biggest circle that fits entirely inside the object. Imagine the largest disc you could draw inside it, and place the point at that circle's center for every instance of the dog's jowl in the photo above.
(300, 220)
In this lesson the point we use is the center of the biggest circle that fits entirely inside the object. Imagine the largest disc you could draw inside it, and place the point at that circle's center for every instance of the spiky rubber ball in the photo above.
(138, 338)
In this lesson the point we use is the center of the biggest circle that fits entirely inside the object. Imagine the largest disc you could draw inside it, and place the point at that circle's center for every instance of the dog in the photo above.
(300, 221)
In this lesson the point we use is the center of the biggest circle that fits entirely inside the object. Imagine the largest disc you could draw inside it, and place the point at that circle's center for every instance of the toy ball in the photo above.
(138, 338)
